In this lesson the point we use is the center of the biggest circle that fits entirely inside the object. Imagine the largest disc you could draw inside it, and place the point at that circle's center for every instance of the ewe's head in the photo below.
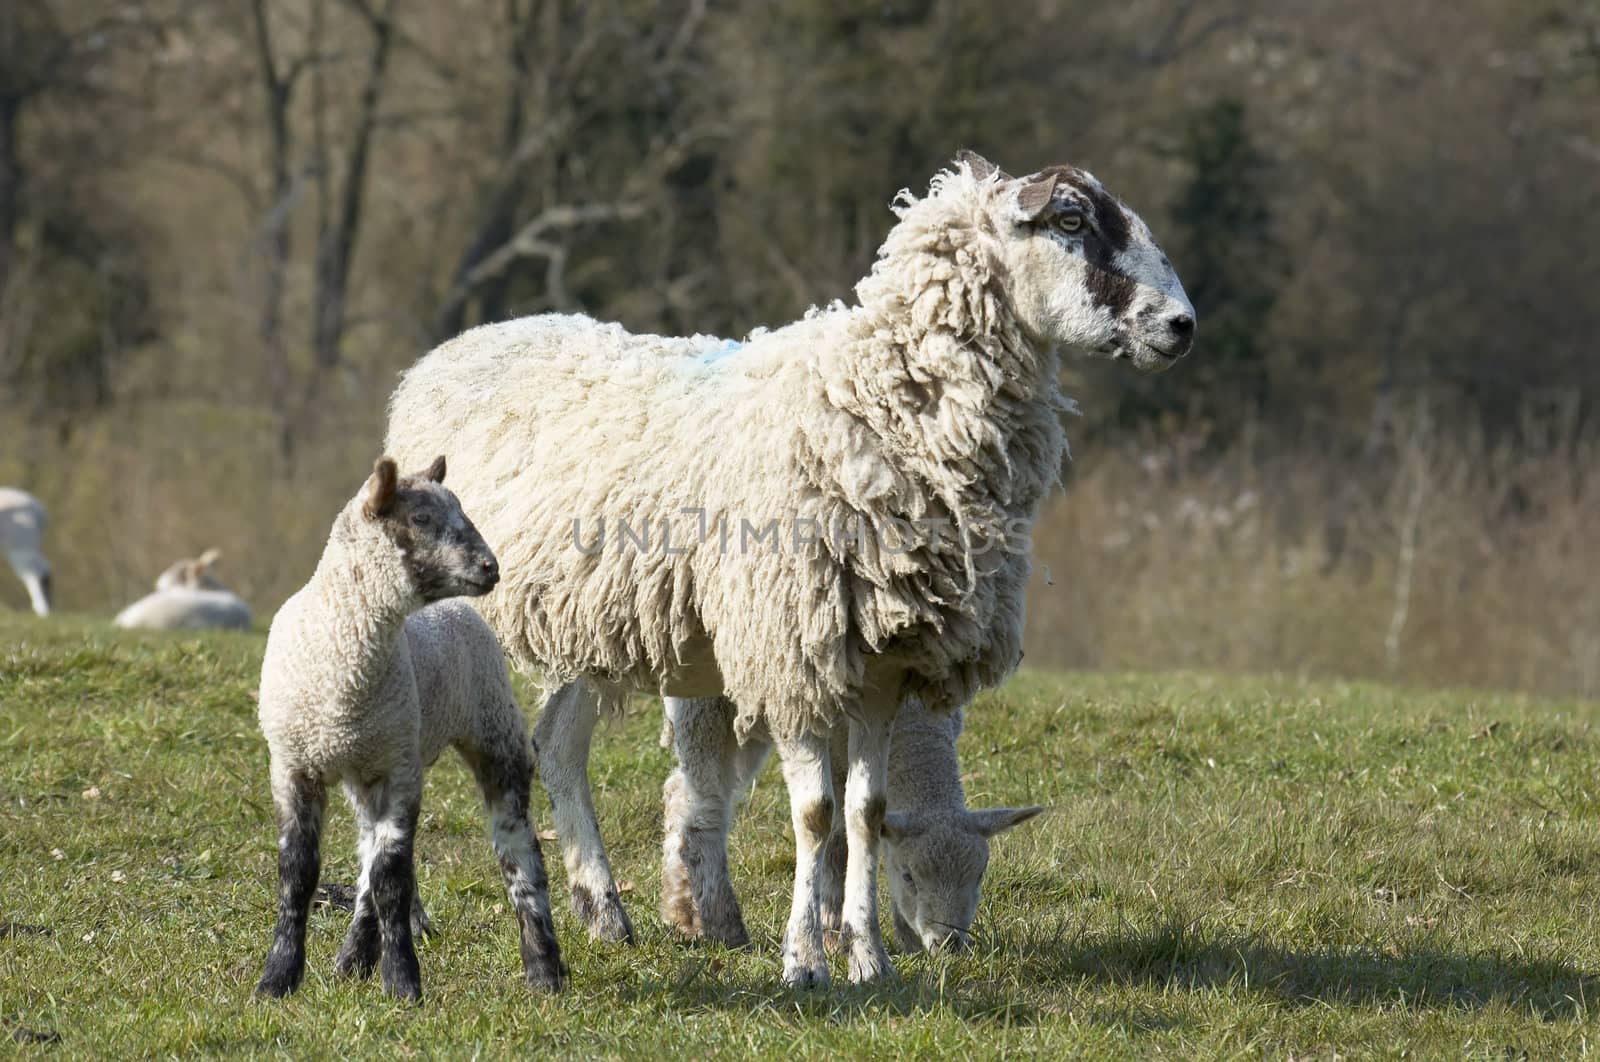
(443, 554)
(935, 863)
(198, 573)
(1080, 269)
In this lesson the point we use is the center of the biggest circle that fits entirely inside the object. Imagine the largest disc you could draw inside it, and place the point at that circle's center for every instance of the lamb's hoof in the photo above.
(280, 979)
(869, 962)
(547, 979)
(421, 924)
(402, 979)
(358, 958)
(604, 915)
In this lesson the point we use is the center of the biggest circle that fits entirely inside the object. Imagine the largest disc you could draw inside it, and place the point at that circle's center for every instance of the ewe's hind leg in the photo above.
(834, 855)
(561, 742)
(697, 896)
(865, 801)
(805, 770)
(299, 800)
(505, 773)
(392, 806)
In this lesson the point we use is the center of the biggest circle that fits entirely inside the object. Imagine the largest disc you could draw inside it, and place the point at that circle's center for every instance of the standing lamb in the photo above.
(22, 523)
(904, 443)
(188, 596)
(935, 853)
(366, 681)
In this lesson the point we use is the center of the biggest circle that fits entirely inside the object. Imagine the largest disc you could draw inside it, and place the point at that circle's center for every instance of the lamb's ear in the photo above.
(991, 821)
(1033, 195)
(980, 168)
(435, 471)
(377, 497)
(208, 558)
(898, 826)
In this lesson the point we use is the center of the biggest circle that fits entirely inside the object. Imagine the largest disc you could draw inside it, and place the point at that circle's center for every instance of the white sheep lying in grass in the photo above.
(904, 443)
(188, 596)
(365, 681)
(22, 523)
(936, 849)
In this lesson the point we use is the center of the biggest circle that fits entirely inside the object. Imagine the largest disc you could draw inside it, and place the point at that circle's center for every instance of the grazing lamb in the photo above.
(22, 523)
(935, 848)
(188, 596)
(365, 681)
(818, 523)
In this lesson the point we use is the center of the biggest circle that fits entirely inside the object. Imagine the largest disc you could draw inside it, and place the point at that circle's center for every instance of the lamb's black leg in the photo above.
(393, 884)
(505, 772)
(299, 800)
(358, 956)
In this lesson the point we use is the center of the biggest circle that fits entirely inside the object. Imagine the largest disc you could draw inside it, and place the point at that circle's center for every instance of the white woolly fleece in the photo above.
(925, 401)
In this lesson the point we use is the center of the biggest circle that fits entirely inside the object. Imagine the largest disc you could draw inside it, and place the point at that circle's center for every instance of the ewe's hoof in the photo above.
(798, 975)
(869, 963)
(604, 915)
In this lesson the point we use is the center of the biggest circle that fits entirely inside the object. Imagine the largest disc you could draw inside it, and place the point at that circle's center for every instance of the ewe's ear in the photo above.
(1033, 195)
(991, 821)
(435, 471)
(377, 497)
(980, 168)
(898, 826)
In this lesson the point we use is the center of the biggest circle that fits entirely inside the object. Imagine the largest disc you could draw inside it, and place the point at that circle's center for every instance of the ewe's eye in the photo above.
(1069, 222)
(908, 879)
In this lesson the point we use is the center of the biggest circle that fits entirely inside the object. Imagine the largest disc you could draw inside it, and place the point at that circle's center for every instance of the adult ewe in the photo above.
(22, 522)
(817, 524)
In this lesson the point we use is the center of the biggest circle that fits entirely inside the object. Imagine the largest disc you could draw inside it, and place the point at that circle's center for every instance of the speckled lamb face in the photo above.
(935, 865)
(443, 553)
(1083, 270)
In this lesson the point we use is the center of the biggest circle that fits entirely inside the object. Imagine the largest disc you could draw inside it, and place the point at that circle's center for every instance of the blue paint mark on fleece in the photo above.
(713, 356)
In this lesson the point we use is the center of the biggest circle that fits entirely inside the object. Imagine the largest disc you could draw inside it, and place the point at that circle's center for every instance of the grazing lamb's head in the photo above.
(935, 862)
(442, 552)
(193, 574)
(1078, 267)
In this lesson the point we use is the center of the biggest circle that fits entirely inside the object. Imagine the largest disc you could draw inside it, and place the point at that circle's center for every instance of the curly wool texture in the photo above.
(925, 401)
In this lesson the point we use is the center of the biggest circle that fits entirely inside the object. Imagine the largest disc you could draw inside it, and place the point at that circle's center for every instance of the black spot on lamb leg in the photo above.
(299, 864)
(505, 780)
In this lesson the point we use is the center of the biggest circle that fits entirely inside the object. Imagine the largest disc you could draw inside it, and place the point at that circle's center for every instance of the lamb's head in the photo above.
(197, 573)
(935, 861)
(1080, 269)
(440, 549)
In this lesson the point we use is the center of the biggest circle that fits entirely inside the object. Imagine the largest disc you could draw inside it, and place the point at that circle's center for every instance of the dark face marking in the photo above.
(445, 556)
(1110, 235)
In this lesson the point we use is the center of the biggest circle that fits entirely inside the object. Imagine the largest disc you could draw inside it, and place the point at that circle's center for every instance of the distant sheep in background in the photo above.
(188, 596)
(22, 522)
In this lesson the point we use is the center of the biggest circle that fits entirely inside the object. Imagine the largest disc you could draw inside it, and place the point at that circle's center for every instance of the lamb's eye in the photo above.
(1069, 222)
(421, 519)
(908, 879)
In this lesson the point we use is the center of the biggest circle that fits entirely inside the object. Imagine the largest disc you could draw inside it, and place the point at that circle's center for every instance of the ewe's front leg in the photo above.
(865, 801)
(697, 896)
(805, 770)
(561, 742)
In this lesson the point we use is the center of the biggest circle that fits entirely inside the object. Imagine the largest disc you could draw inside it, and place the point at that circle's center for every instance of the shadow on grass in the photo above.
(1183, 956)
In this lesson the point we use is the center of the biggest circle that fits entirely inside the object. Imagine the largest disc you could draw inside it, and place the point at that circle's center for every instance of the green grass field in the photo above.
(1230, 868)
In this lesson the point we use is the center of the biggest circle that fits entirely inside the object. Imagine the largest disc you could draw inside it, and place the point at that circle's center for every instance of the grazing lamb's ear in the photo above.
(991, 821)
(980, 168)
(377, 497)
(898, 826)
(1034, 196)
(435, 471)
